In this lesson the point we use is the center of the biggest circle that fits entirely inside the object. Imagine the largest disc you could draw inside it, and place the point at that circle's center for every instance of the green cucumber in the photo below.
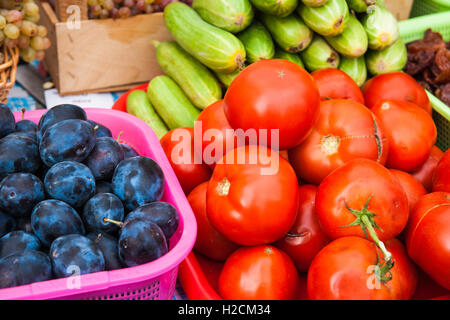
(290, 33)
(217, 49)
(171, 103)
(197, 82)
(314, 3)
(352, 42)
(139, 105)
(355, 68)
(320, 55)
(293, 57)
(227, 78)
(327, 20)
(360, 5)
(381, 28)
(391, 59)
(257, 42)
(279, 8)
(230, 15)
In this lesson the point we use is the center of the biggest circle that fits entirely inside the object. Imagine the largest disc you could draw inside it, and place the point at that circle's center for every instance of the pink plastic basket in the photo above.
(155, 280)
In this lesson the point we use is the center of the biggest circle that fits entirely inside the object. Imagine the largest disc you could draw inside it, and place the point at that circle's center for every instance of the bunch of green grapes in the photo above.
(104, 9)
(19, 28)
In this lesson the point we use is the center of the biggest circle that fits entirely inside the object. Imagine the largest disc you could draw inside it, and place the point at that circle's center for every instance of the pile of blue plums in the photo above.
(73, 200)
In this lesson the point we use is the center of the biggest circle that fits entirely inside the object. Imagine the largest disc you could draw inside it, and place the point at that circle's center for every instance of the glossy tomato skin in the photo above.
(217, 133)
(209, 241)
(411, 133)
(424, 174)
(428, 236)
(272, 94)
(353, 184)
(249, 203)
(306, 237)
(189, 173)
(395, 86)
(441, 177)
(259, 273)
(345, 130)
(344, 270)
(336, 84)
(414, 189)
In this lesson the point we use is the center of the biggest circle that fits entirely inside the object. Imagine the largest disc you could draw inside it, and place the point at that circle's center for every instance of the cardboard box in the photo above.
(400, 8)
(101, 55)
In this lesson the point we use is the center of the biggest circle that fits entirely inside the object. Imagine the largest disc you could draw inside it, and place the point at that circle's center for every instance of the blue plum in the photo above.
(26, 126)
(71, 182)
(60, 113)
(51, 219)
(74, 251)
(67, 140)
(7, 223)
(24, 268)
(104, 158)
(137, 181)
(141, 241)
(128, 151)
(108, 245)
(162, 213)
(101, 130)
(100, 207)
(19, 193)
(17, 242)
(7, 121)
(103, 187)
(18, 154)
(26, 134)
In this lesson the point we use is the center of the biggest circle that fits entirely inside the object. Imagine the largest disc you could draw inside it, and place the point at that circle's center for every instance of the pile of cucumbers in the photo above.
(215, 40)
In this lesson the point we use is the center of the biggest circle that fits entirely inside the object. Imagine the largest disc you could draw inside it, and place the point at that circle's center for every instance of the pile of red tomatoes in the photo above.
(359, 203)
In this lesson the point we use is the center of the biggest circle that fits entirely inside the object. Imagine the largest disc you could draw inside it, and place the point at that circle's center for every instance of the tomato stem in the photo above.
(223, 188)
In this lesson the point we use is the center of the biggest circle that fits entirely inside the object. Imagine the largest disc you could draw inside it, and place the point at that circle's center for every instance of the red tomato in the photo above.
(178, 145)
(345, 130)
(441, 177)
(424, 173)
(306, 238)
(346, 269)
(217, 134)
(395, 86)
(212, 270)
(253, 200)
(411, 133)
(414, 189)
(428, 236)
(274, 94)
(352, 186)
(258, 273)
(336, 84)
(209, 241)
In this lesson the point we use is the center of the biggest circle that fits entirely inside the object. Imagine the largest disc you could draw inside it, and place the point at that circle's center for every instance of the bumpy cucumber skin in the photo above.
(257, 42)
(227, 78)
(320, 55)
(279, 8)
(217, 49)
(360, 5)
(197, 82)
(355, 68)
(139, 105)
(290, 33)
(381, 28)
(293, 57)
(171, 103)
(230, 15)
(327, 20)
(352, 42)
(314, 3)
(391, 59)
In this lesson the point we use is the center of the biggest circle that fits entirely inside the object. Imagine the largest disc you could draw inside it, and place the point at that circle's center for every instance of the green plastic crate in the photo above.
(424, 7)
(413, 29)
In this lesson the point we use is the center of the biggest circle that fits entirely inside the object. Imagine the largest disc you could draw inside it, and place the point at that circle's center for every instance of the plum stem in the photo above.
(23, 113)
(119, 223)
